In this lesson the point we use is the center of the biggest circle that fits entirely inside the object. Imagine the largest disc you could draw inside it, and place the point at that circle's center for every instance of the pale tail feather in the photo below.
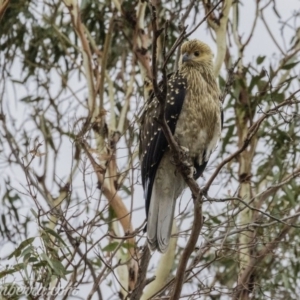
(166, 188)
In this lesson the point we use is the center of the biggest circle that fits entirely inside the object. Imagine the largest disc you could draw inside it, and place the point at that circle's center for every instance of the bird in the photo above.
(193, 112)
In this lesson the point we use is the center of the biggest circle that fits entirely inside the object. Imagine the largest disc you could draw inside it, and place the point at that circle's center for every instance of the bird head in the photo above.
(195, 53)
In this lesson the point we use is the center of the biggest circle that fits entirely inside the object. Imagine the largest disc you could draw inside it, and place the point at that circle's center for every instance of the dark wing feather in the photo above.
(222, 116)
(153, 143)
(199, 168)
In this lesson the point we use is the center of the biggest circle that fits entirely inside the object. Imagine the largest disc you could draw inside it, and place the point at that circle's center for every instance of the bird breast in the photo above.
(199, 125)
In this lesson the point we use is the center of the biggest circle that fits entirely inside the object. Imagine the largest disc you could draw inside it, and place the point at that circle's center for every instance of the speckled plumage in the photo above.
(194, 116)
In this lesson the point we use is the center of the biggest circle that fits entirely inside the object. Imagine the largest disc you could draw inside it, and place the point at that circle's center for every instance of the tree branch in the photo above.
(163, 269)
(254, 261)
(3, 7)
(188, 250)
(251, 132)
(142, 273)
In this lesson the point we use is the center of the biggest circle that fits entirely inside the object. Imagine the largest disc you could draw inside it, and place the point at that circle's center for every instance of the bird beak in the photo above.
(185, 57)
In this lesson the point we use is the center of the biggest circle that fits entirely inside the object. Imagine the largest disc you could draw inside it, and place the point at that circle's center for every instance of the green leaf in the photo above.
(34, 212)
(254, 81)
(127, 245)
(215, 219)
(27, 251)
(229, 135)
(29, 99)
(39, 264)
(19, 267)
(32, 259)
(55, 265)
(58, 268)
(47, 259)
(111, 247)
(222, 82)
(55, 234)
(97, 262)
(26, 257)
(290, 195)
(7, 272)
(285, 281)
(289, 66)
(18, 251)
(260, 59)
(126, 189)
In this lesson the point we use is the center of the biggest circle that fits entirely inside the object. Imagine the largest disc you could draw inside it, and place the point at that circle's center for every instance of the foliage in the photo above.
(72, 213)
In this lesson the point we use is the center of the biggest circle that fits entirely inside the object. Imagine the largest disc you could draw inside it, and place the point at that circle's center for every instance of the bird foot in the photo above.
(184, 153)
(192, 171)
(185, 158)
(184, 149)
(189, 169)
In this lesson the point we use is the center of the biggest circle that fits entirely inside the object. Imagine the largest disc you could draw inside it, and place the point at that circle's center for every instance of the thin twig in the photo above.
(252, 208)
(104, 60)
(156, 33)
(229, 81)
(254, 261)
(181, 26)
(204, 19)
(270, 32)
(251, 132)
(3, 8)
(188, 250)
(141, 281)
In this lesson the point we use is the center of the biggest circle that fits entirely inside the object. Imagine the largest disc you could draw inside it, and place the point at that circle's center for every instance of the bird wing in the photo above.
(153, 143)
(222, 115)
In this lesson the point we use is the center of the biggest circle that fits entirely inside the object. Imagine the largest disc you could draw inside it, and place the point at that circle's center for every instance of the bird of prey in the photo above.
(194, 115)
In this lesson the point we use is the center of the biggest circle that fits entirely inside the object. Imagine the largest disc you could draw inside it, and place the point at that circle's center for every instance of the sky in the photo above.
(261, 44)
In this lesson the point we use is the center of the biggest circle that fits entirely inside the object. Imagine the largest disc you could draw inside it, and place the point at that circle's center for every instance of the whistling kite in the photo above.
(193, 113)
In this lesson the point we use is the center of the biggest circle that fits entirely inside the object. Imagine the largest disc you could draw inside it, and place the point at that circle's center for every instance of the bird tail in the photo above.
(166, 188)
(160, 219)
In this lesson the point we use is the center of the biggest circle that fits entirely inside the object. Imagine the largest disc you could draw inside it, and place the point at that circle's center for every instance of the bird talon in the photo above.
(184, 155)
(192, 171)
(185, 150)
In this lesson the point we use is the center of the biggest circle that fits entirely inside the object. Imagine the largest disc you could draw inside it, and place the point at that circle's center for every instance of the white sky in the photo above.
(261, 44)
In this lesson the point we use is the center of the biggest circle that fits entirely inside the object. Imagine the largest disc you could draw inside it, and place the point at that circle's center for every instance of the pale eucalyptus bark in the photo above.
(164, 267)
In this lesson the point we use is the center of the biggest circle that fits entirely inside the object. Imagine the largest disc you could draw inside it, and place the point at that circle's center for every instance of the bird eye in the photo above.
(196, 53)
